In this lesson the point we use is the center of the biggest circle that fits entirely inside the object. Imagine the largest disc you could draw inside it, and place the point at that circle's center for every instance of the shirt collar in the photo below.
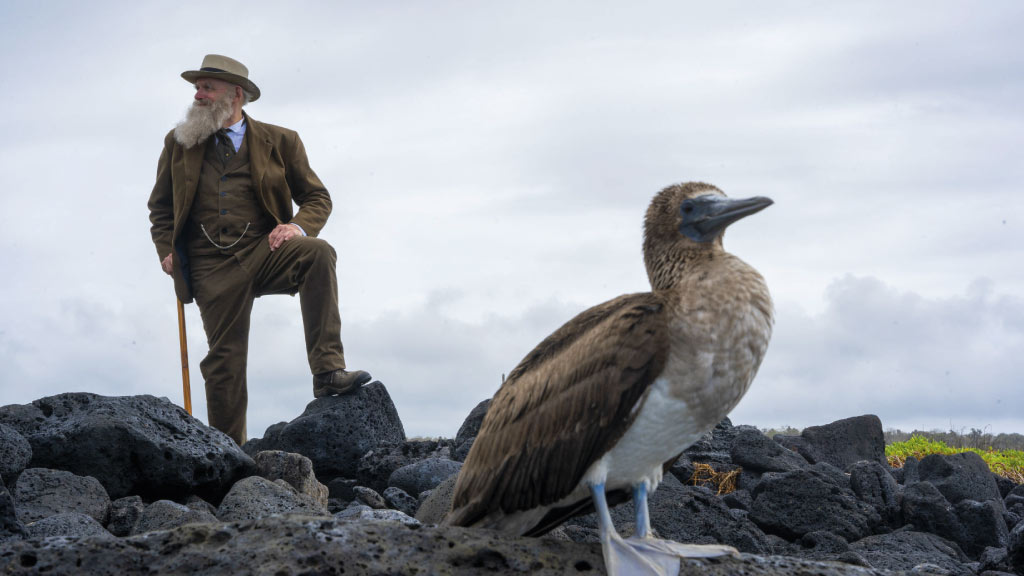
(237, 127)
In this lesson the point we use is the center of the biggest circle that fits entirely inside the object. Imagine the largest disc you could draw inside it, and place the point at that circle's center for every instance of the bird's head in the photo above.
(691, 217)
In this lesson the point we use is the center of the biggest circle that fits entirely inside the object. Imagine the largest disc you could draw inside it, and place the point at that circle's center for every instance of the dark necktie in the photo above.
(225, 149)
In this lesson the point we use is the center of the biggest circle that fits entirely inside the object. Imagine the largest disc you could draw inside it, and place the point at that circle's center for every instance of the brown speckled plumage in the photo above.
(573, 397)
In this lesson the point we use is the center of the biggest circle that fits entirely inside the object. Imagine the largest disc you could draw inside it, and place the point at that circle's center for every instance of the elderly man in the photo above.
(224, 229)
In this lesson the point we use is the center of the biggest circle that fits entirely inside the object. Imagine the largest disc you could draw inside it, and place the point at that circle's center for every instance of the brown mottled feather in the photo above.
(538, 438)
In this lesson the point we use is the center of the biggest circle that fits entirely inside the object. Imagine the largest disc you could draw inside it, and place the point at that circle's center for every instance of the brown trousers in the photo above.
(225, 287)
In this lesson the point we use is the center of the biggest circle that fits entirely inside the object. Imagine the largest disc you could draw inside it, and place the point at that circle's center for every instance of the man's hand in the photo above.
(281, 234)
(167, 264)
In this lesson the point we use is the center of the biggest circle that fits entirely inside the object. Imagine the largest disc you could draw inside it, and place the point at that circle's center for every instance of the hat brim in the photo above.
(192, 75)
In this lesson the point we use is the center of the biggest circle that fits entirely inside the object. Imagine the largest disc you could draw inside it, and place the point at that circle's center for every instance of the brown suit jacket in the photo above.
(280, 175)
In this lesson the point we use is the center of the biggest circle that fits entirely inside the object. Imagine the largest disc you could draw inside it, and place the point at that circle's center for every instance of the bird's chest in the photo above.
(713, 359)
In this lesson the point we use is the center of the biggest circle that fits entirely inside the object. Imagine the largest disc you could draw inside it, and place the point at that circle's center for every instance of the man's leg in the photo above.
(224, 293)
(308, 265)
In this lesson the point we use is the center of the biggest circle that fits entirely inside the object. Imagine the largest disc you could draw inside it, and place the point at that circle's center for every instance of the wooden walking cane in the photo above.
(184, 357)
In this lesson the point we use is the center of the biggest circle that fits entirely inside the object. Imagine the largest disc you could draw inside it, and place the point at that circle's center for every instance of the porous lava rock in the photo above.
(134, 445)
(963, 476)
(792, 504)
(423, 475)
(295, 469)
(336, 431)
(164, 514)
(841, 443)
(255, 497)
(42, 492)
(15, 453)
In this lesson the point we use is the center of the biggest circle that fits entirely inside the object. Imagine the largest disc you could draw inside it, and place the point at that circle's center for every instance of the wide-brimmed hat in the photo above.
(226, 69)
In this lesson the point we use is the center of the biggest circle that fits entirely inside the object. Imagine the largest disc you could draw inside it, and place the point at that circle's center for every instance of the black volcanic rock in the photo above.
(873, 484)
(904, 550)
(255, 497)
(125, 514)
(15, 453)
(963, 476)
(1016, 548)
(336, 431)
(926, 509)
(841, 443)
(694, 514)
(756, 452)
(42, 492)
(10, 527)
(376, 466)
(68, 524)
(792, 504)
(164, 514)
(471, 425)
(983, 526)
(138, 445)
(424, 475)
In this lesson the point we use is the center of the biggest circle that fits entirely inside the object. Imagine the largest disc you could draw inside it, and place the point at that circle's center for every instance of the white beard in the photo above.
(202, 121)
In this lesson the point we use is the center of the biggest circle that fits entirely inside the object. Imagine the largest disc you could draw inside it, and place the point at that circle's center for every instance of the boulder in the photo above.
(873, 484)
(10, 527)
(295, 469)
(164, 514)
(693, 514)
(15, 453)
(470, 427)
(336, 431)
(841, 443)
(68, 525)
(125, 514)
(369, 497)
(398, 499)
(716, 444)
(963, 476)
(927, 510)
(255, 497)
(690, 514)
(42, 492)
(1015, 548)
(134, 445)
(367, 513)
(792, 504)
(436, 506)
(377, 465)
(983, 526)
(424, 475)
(341, 489)
(904, 550)
(758, 453)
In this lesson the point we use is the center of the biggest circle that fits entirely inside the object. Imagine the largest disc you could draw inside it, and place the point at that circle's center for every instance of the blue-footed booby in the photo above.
(601, 408)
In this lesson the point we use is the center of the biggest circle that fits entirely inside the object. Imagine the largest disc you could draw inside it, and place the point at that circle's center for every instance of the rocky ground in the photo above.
(132, 485)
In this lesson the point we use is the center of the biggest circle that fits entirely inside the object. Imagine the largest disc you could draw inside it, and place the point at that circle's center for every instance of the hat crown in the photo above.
(218, 63)
(227, 69)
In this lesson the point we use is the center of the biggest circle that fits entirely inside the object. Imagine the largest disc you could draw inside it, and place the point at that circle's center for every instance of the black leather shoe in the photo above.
(338, 382)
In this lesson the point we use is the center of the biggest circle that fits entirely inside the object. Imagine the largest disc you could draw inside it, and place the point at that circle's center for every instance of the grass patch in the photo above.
(1006, 463)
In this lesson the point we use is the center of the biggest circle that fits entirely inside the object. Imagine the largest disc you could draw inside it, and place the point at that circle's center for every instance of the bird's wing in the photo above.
(562, 408)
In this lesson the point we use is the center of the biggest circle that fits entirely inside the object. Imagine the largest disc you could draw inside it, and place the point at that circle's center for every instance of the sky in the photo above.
(490, 165)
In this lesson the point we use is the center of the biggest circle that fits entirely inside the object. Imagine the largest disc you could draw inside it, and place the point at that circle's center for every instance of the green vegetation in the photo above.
(1007, 463)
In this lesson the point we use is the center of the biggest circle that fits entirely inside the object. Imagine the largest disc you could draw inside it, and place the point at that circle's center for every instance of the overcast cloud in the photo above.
(490, 165)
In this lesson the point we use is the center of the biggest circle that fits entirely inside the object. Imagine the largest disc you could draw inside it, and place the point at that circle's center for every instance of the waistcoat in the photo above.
(226, 205)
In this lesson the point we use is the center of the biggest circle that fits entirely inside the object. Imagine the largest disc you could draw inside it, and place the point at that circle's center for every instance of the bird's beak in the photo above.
(705, 217)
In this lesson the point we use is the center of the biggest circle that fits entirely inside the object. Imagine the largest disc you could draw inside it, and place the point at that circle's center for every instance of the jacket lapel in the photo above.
(260, 148)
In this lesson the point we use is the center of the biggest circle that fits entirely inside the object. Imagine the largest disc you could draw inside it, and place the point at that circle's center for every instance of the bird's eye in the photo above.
(687, 208)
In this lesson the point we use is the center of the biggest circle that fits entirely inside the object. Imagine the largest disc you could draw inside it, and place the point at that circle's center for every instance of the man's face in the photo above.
(210, 90)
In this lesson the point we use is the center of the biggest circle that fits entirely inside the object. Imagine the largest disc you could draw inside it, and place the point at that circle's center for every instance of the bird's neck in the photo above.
(667, 269)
